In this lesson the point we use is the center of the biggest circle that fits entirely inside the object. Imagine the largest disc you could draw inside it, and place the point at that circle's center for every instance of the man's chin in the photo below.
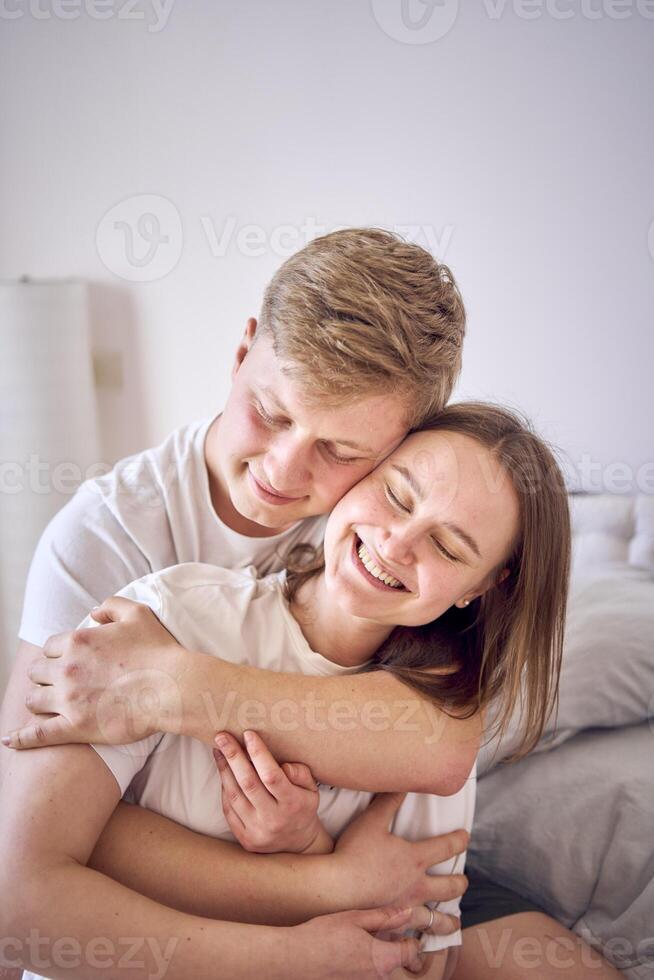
(274, 518)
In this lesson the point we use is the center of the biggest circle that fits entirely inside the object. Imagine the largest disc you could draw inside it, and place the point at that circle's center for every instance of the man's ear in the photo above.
(246, 343)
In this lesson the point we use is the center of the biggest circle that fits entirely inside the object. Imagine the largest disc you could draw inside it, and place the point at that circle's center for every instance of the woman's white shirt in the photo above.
(245, 619)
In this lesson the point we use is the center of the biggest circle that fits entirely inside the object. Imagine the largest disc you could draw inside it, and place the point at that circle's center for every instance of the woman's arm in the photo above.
(361, 731)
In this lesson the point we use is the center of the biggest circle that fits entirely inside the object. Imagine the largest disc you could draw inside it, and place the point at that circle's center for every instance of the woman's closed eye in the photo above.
(443, 550)
(397, 503)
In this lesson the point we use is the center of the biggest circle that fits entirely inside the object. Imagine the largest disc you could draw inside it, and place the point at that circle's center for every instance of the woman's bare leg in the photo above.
(528, 944)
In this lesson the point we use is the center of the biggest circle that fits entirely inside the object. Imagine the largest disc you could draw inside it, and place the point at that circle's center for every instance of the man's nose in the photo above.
(287, 466)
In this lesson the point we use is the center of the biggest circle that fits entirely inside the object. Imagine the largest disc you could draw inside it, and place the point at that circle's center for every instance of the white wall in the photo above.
(520, 143)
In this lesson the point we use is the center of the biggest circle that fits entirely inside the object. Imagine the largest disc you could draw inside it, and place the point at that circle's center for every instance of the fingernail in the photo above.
(248, 736)
(6, 739)
(220, 740)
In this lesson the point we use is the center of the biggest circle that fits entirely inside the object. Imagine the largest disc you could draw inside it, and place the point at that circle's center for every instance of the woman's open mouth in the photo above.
(371, 571)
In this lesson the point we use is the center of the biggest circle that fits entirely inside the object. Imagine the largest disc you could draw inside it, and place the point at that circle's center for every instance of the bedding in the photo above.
(573, 830)
(571, 826)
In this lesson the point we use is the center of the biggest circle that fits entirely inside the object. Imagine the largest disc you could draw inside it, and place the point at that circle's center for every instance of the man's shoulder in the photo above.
(146, 475)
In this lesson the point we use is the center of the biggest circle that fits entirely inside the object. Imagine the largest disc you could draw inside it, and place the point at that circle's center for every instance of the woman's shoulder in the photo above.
(191, 577)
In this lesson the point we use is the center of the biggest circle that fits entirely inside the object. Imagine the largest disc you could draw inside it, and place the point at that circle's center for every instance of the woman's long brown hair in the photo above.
(505, 648)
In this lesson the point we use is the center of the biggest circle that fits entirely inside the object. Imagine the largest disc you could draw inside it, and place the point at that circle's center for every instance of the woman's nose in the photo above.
(396, 546)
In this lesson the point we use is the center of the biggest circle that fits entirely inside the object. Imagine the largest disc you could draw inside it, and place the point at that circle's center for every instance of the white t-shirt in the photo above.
(245, 619)
(154, 510)
(151, 511)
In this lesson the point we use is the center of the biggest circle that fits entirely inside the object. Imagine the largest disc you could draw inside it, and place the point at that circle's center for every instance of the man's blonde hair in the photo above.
(361, 312)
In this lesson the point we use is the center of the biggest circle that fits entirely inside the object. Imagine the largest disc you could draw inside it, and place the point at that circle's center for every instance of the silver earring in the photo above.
(466, 602)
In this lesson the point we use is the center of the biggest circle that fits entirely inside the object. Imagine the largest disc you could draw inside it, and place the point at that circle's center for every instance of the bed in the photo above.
(572, 825)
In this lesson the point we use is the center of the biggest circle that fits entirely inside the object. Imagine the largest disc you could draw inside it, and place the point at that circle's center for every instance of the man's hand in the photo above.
(269, 808)
(112, 684)
(379, 867)
(357, 945)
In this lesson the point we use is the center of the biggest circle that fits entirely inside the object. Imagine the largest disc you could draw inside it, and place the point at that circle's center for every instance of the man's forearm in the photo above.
(359, 731)
(205, 876)
(116, 930)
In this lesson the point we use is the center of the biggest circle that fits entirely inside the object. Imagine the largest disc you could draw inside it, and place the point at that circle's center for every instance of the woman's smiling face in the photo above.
(438, 516)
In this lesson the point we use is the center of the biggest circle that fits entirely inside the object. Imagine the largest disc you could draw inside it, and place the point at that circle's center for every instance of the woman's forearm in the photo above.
(360, 731)
(205, 876)
(117, 931)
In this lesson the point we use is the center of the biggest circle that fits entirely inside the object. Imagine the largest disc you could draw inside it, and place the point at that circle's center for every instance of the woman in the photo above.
(447, 566)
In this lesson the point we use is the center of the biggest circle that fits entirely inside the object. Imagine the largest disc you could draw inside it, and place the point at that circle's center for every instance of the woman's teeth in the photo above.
(371, 566)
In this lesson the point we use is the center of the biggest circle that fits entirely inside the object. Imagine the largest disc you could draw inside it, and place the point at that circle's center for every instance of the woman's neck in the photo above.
(336, 635)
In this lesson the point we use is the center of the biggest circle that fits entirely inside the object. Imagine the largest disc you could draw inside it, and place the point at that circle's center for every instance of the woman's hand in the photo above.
(113, 684)
(269, 808)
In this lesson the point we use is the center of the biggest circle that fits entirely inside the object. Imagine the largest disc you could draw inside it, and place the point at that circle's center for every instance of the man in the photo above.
(359, 340)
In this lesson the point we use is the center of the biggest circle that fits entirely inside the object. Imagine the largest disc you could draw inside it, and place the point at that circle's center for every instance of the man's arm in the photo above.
(70, 921)
(59, 801)
(204, 876)
(361, 731)
(209, 877)
(358, 731)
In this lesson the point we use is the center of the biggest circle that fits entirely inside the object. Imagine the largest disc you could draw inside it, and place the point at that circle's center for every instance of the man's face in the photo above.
(282, 458)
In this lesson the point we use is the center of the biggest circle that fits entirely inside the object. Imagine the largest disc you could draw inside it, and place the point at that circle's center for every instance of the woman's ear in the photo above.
(245, 344)
(467, 599)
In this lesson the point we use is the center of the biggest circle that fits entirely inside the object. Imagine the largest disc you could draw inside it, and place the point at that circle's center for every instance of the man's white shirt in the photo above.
(151, 511)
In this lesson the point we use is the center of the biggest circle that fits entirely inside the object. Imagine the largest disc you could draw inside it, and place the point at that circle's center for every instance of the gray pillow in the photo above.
(607, 675)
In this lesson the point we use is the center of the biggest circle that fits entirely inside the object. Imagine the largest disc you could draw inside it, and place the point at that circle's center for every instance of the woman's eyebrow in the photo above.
(410, 479)
(463, 535)
(420, 494)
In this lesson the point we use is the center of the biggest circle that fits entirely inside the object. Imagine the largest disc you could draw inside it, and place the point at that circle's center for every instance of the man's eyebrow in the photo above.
(264, 389)
(454, 528)
(270, 392)
(354, 445)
